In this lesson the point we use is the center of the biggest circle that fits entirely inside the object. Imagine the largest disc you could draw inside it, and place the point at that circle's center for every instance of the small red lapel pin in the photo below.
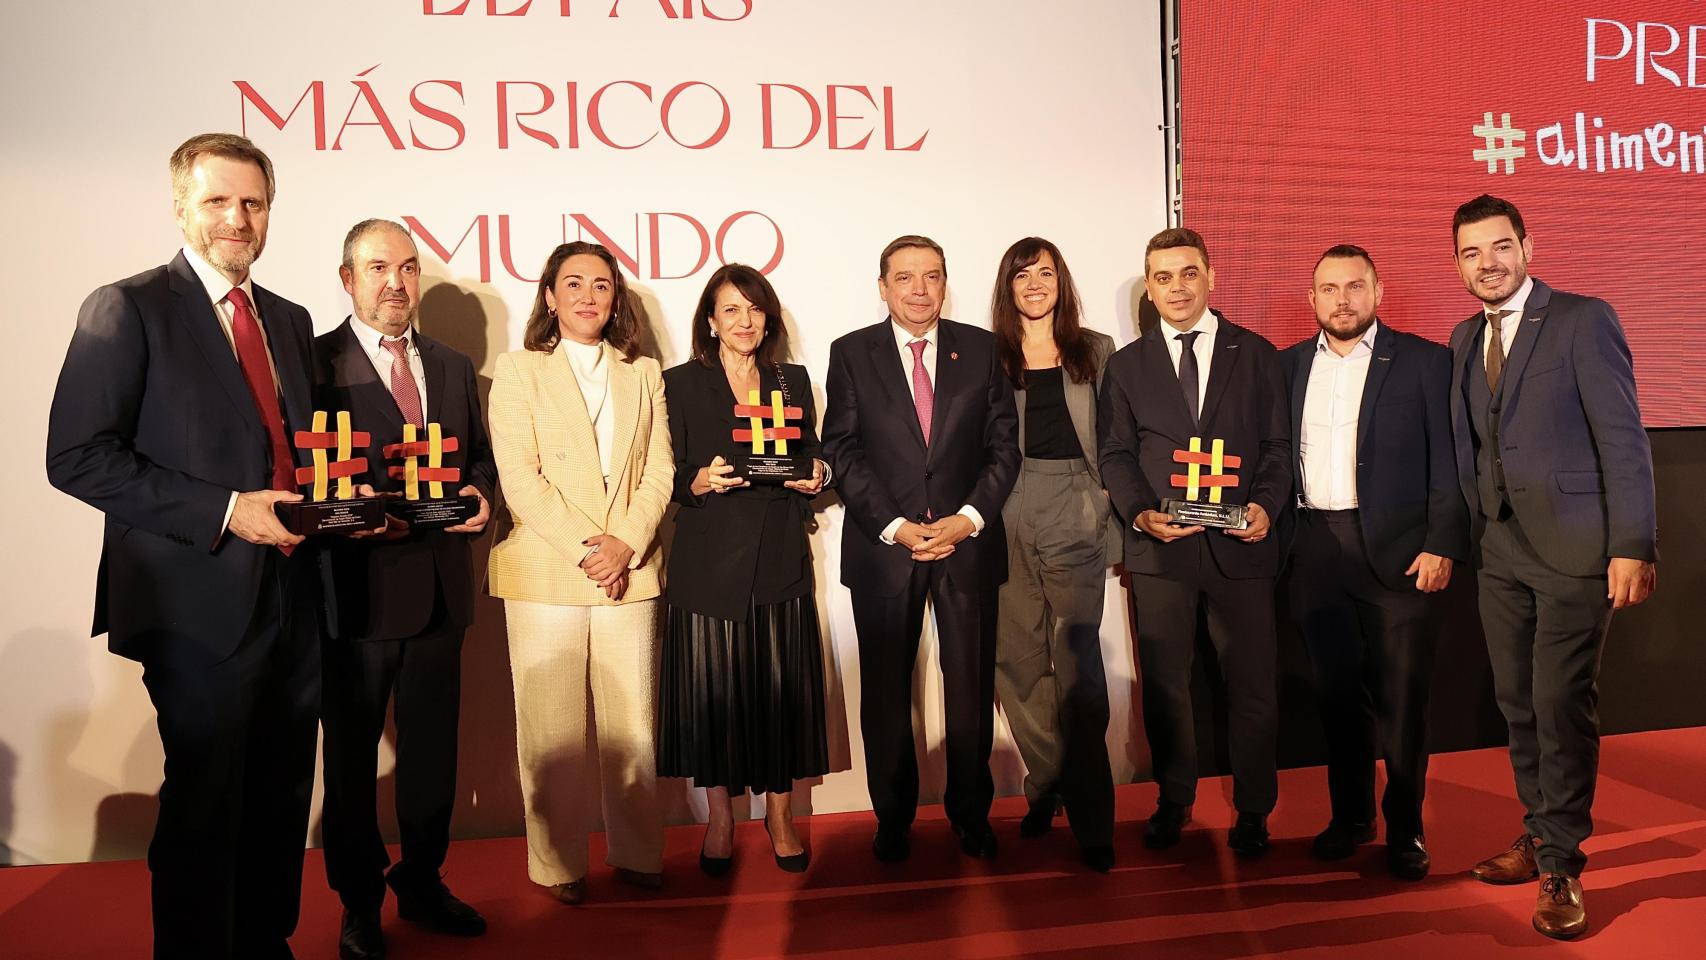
(953, 356)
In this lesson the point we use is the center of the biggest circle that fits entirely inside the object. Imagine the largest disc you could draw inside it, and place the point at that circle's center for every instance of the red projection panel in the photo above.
(1310, 124)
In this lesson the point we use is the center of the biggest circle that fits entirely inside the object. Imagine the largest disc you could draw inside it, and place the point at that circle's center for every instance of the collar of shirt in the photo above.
(214, 281)
(372, 341)
(1364, 345)
(1516, 301)
(1208, 325)
(903, 336)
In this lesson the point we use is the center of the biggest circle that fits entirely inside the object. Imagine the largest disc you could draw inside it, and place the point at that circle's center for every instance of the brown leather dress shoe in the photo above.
(1558, 911)
(1515, 865)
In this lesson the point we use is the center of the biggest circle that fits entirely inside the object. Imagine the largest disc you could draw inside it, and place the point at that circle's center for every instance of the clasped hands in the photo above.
(934, 540)
(607, 564)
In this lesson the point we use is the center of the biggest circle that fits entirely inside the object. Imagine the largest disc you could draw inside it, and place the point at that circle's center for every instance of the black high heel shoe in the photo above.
(792, 864)
(714, 866)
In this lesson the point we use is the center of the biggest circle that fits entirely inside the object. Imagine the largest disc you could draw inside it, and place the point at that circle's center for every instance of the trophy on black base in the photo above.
(1194, 510)
(327, 510)
(776, 466)
(435, 510)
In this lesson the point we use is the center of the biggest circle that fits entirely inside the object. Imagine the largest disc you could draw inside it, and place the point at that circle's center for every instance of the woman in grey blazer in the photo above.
(1061, 536)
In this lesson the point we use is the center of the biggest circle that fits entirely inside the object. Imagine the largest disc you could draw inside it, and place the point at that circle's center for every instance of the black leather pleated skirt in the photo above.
(740, 704)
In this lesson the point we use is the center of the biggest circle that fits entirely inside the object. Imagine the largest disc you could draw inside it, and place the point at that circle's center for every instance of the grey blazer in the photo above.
(1081, 405)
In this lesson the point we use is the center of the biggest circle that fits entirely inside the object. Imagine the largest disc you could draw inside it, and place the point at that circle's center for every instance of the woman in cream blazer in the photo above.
(581, 438)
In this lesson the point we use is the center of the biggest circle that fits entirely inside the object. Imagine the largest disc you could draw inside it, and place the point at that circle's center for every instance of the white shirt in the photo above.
(1510, 322)
(1332, 403)
(1208, 325)
(590, 365)
(217, 287)
(903, 337)
(373, 344)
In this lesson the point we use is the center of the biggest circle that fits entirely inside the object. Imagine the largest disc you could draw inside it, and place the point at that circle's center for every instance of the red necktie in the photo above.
(923, 394)
(403, 388)
(252, 357)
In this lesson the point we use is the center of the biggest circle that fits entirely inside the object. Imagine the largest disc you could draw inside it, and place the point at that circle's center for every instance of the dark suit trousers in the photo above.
(425, 673)
(238, 735)
(1241, 627)
(889, 630)
(1372, 651)
(1544, 632)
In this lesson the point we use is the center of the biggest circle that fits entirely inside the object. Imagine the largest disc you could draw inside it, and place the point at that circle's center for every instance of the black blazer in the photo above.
(152, 424)
(1578, 465)
(883, 470)
(1144, 419)
(1408, 500)
(731, 549)
(383, 590)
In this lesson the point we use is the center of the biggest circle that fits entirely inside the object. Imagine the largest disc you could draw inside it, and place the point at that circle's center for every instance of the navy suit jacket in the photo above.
(1578, 467)
(1143, 419)
(383, 589)
(883, 469)
(1408, 500)
(152, 424)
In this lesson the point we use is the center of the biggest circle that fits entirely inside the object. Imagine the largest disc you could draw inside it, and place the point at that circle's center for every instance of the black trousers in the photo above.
(238, 735)
(1240, 616)
(1371, 649)
(889, 629)
(1545, 631)
(425, 674)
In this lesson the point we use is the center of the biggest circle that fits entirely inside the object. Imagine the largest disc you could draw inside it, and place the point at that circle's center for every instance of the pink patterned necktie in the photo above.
(923, 394)
(403, 388)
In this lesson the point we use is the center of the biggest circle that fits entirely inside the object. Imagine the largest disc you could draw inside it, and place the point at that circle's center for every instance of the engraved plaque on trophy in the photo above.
(1204, 478)
(775, 465)
(329, 508)
(434, 509)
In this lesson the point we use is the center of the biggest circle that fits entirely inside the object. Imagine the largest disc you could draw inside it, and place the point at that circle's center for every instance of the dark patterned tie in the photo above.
(1188, 370)
(1496, 348)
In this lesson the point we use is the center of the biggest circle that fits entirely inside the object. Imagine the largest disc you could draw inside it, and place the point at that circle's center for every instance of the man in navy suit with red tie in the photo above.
(922, 432)
(172, 416)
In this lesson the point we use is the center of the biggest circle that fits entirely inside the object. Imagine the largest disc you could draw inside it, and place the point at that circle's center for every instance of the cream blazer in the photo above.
(548, 467)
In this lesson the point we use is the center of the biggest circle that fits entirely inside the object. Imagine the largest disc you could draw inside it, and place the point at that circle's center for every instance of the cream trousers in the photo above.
(585, 715)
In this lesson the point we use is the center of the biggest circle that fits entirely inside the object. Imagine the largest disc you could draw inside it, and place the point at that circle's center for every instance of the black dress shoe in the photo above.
(1407, 858)
(1099, 859)
(714, 866)
(792, 863)
(360, 937)
(976, 840)
(1249, 836)
(891, 845)
(1165, 825)
(432, 905)
(1039, 819)
(1340, 840)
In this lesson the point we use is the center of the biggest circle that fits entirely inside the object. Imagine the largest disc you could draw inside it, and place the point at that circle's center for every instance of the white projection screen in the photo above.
(796, 135)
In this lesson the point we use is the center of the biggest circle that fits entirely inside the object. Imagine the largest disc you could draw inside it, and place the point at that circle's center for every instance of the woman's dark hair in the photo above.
(1076, 355)
(621, 331)
(773, 349)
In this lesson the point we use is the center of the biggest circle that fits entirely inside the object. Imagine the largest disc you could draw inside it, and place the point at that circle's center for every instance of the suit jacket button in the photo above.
(928, 474)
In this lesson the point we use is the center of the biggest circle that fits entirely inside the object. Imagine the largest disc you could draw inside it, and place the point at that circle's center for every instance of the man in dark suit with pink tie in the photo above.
(922, 434)
(173, 416)
(397, 604)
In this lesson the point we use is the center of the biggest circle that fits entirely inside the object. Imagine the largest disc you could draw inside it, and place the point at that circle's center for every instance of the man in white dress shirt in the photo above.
(1380, 521)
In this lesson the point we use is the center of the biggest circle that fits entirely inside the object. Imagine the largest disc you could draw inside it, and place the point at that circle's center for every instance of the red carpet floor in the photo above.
(1646, 888)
